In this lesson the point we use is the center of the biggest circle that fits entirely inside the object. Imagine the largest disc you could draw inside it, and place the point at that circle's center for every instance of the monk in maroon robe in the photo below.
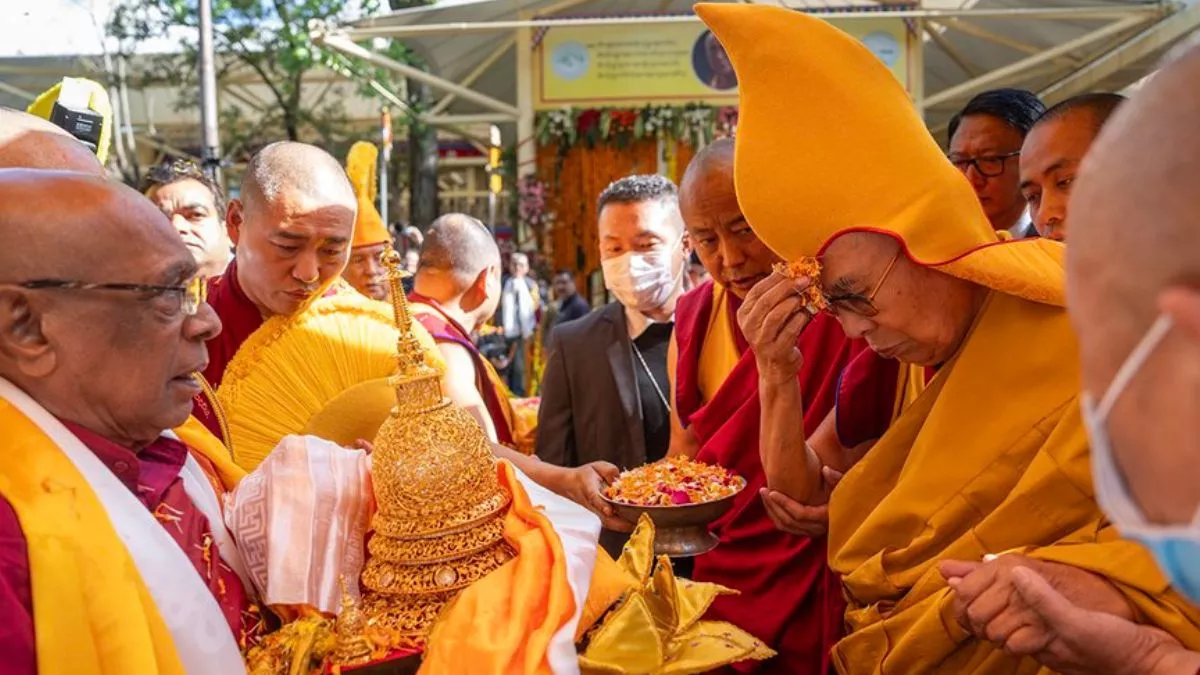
(456, 291)
(292, 228)
(789, 597)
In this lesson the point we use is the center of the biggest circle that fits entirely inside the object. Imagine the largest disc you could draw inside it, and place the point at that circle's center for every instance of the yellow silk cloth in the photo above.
(991, 457)
(814, 153)
(92, 612)
(504, 622)
(719, 353)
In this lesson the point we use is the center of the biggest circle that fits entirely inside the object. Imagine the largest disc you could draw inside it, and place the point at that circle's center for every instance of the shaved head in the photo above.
(460, 268)
(716, 156)
(459, 245)
(292, 226)
(290, 166)
(720, 236)
(112, 359)
(1137, 257)
(1134, 203)
(28, 141)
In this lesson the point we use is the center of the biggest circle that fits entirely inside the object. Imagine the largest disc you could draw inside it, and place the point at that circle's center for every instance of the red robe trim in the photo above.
(445, 329)
(789, 597)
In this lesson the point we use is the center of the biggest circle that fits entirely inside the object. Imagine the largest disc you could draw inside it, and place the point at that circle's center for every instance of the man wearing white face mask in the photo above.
(605, 394)
(1135, 303)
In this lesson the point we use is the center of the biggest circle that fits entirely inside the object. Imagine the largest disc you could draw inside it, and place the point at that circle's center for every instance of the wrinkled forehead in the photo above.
(855, 256)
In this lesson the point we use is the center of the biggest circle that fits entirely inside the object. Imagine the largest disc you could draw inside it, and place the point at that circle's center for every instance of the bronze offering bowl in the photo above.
(680, 531)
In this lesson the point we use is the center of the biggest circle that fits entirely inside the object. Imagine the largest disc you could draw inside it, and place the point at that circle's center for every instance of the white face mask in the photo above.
(644, 281)
(1176, 548)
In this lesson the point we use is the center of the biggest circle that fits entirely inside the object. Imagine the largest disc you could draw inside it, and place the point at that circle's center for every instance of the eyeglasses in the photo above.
(857, 303)
(186, 298)
(990, 166)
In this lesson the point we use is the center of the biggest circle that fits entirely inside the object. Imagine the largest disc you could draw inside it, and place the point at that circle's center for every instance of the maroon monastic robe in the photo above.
(789, 597)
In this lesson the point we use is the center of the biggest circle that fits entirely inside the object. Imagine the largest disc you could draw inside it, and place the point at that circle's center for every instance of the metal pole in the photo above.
(127, 112)
(494, 178)
(386, 139)
(208, 94)
(1047, 13)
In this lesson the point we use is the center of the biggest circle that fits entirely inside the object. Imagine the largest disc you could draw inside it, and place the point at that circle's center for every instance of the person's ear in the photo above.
(1182, 304)
(233, 220)
(22, 338)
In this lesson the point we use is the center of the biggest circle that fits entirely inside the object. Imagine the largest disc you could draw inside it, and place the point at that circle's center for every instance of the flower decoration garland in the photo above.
(695, 124)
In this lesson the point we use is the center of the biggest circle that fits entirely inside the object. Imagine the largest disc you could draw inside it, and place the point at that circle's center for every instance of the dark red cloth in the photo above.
(153, 475)
(789, 599)
(239, 319)
(866, 397)
(445, 329)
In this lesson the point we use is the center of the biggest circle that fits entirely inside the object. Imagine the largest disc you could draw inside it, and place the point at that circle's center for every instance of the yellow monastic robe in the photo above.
(93, 613)
(992, 456)
(719, 353)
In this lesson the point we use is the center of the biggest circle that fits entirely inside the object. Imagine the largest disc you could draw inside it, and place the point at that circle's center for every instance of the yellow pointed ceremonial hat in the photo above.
(361, 168)
(829, 142)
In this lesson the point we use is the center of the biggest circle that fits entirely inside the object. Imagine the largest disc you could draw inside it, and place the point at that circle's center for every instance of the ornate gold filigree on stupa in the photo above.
(440, 519)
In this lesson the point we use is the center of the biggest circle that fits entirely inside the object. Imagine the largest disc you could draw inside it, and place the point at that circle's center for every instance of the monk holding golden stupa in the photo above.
(481, 569)
(983, 476)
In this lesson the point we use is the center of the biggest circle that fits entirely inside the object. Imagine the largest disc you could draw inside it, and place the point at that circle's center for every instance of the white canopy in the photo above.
(1056, 48)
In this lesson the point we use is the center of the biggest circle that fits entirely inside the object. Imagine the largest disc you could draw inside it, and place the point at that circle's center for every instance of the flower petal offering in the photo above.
(806, 267)
(674, 481)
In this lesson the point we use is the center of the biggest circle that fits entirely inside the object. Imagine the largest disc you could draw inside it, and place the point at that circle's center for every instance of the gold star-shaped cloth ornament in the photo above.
(656, 627)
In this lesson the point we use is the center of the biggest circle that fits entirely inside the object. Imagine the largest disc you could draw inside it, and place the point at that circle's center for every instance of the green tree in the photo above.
(262, 42)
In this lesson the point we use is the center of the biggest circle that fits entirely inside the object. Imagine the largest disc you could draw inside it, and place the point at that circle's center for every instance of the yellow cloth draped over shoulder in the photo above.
(92, 612)
(992, 457)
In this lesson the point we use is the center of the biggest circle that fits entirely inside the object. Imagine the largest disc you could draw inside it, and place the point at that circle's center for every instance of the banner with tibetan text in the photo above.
(632, 65)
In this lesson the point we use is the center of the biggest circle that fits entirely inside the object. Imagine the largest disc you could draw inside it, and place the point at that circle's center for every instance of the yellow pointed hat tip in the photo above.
(824, 121)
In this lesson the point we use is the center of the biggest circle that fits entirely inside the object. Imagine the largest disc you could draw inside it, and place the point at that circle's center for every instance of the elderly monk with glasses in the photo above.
(981, 465)
(109, 492)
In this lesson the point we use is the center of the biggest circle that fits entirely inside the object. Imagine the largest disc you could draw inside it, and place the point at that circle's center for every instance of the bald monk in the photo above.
(113, 552)
(1052, 153)
(788, 596)
(928, 526)
(456, 290)
(291, 227)
(31, 142)
(1132, 203)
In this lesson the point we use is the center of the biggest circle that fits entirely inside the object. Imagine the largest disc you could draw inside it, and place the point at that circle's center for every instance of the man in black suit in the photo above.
(605, 394)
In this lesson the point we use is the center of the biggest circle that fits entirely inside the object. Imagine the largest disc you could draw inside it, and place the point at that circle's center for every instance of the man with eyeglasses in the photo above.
(109, 493)
(985, 144)
(985, 471)
(788, 597)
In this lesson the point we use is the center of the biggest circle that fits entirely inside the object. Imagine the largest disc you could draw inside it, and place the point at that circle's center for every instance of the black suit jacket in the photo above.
(590, 408)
